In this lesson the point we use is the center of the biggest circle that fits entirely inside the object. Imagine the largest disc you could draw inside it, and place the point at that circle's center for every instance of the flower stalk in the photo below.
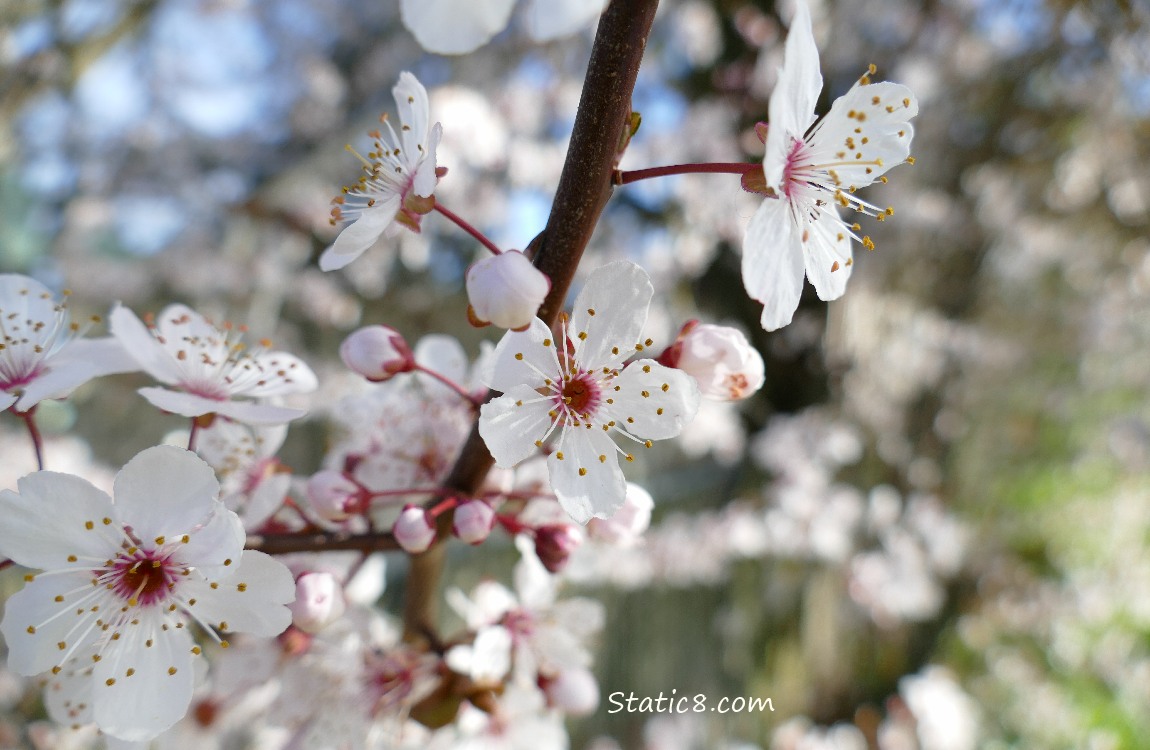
(626, 178)
(467, 227)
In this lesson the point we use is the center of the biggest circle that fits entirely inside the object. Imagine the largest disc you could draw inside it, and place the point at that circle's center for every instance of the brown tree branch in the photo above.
(584, 187)
(319, 541)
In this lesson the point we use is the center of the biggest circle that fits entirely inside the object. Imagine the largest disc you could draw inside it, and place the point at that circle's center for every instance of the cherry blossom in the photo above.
(123, 579)
(809, 172)
(378, 353)
(722, 361)
(398, 180)
(405, 432)
(253, 482)
(586, 391)
(210, 367)
(414, 530)
(41, 355)
(455, 27)
(506, 290)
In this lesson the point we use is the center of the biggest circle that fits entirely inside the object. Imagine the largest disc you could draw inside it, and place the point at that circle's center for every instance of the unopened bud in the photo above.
(574, 692)
(414, 529)
(318, 602)
(473, 521)
(555, 543)
(721, 359)
(332, 495)
(629, 521)
(506, 290)
(377, 352)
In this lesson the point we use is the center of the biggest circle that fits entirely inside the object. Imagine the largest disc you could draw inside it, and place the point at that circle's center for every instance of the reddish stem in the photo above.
(625, 178)
(465, 226)
(34, 433)
(192, 434)
(444, 506)
(412, 491)
(450, 384)
(511, 524)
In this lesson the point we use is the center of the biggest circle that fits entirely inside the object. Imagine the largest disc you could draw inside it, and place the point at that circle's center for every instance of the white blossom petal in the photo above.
(267, 498)
(449, 27)
(878, 139)
(157, 693)
(619, 294)
(176, 402)
(141, 344)
(524, 357)
(425, 178)
(216, 546)
(68, 695)
(773, 267)
(827, 258)
(75, 364)
(414, 112)
(512, 423)
(280, 374)
(792, 104)
(552, 19)
(653, 402)
(587, 479)
(165, 491)
(36, 621)
(257, 414)
(253, 599)
(47, 521)
(361, 234)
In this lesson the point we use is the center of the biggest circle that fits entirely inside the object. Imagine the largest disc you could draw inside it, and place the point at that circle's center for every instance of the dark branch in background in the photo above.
(279, 544)
(584, 187)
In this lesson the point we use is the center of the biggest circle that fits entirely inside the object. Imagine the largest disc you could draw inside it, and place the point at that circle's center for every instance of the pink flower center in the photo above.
(143, 577)
(580, 395)
(798, 163)
(205, 389)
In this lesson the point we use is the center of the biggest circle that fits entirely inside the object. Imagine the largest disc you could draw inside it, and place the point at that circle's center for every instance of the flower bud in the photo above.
(720, 358)
(628, 523)
(318, 602)
(473, 521)
(377, 352)
(506, 290)
(332, 495)
(574, 692)
(555, 543)
(414, 529)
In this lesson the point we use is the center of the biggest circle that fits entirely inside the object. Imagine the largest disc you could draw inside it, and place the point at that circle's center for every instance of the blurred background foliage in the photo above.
(980, 389)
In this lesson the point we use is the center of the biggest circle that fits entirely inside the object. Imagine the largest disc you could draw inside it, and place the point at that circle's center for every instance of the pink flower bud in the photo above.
(318, 602)
(332, 495)
(628, 523)
(721, 359)
(473, 521)
(377, 352)
(414, 529)
(555, 543)
(506, 290)
(574, 692)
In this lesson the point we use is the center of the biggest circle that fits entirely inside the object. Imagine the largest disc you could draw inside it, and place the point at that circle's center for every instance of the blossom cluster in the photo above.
(156, 610)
